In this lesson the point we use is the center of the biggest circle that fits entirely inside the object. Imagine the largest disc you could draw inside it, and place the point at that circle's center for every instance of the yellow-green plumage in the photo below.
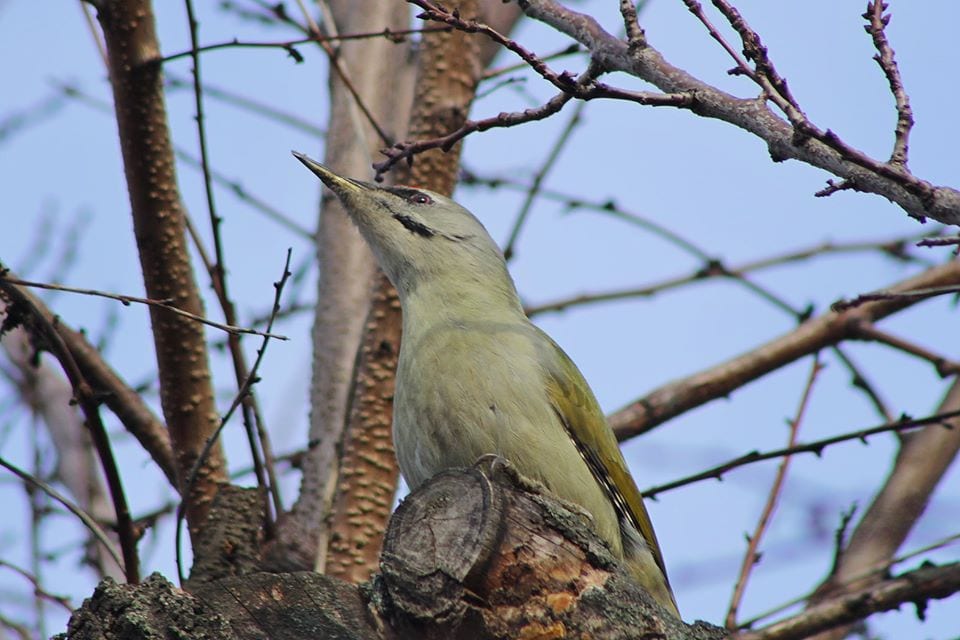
(475, 377)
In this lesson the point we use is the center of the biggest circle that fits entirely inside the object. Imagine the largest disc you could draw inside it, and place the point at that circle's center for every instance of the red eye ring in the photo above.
(420, 198)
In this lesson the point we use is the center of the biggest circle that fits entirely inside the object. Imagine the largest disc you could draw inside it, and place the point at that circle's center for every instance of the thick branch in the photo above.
(473, 554)
(186, 392)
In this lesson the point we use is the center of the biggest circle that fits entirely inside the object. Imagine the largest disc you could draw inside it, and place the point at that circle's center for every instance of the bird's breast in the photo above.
(462, 392)
(468, 390)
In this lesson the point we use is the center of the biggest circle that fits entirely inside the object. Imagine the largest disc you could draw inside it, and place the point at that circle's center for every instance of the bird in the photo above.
(476, 377)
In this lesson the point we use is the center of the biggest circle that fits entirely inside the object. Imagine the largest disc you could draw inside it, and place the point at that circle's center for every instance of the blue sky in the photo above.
(702, 179)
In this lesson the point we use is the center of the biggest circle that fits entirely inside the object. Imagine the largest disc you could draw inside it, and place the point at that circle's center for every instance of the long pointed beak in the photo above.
(338, 184)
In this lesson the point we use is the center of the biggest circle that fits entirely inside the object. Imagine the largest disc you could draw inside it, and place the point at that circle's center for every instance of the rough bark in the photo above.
(368, 466)
(477, 553)
(186, 392)
(381, 73)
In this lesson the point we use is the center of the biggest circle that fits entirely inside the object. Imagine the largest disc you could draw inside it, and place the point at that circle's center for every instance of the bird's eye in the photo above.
(420, 198)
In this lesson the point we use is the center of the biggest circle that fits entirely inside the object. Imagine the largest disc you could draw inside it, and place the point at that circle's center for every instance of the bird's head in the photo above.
(419, 237)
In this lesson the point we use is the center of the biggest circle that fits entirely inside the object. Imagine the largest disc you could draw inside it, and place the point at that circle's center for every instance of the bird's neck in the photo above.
(459, 301)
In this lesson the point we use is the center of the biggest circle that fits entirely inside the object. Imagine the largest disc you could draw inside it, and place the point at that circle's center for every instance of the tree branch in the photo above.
(918, 586)
(797, 139)
(186, 391)
(825, 330)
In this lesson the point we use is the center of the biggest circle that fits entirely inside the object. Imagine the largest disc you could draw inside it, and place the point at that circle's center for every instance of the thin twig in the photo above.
(945, 241)
(765, 74)
(22, 309)
(127, 300)
(82, 515)
(406, 150)
(218, 275)
(862, 382)
(94, 32)
(752, 555)
(635, 35)
(585, 88)
(876, 27)
(816, 447)
(944, 366)
(38, 589)
(915, 294)
(396, 36)
(238, 399)
(534, 191)
(742, 68)
(569, 50)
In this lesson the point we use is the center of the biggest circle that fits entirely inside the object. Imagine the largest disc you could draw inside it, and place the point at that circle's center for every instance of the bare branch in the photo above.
(752, 555)
(537, 183)
(21, 312)
(82, 515)
(241, 395)
(828, 329)
(125, 403)
(398, 35)
(816, 447)
(943, 366)
(797, 138)
(920, 465)
(876, 24)
(585, 87)
(912, 295)
(127, 300)
(186, 392)
(926, 583)
(257, 436)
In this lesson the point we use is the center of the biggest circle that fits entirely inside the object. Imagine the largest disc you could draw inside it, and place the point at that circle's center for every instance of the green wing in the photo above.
(581, 415)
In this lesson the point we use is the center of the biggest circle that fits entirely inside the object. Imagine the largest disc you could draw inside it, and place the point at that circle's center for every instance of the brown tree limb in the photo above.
(186, 391)
(822, 331)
